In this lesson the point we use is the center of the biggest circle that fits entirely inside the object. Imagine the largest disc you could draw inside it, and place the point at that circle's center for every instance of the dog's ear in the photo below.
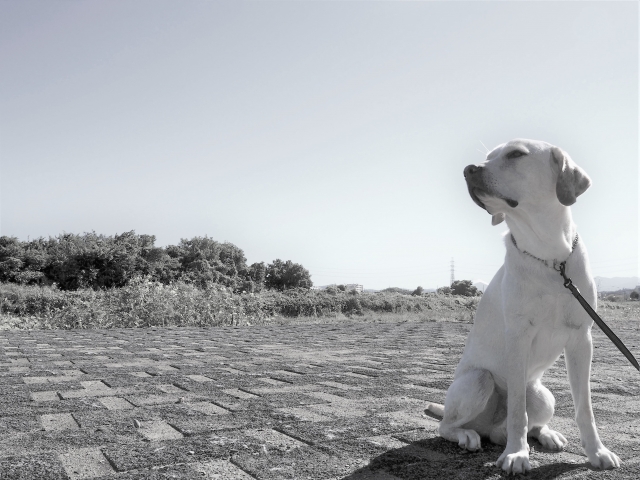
(497, 218)
(572, 180)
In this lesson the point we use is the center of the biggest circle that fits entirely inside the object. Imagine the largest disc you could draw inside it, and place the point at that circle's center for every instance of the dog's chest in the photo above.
(553, 323)
(553, 313)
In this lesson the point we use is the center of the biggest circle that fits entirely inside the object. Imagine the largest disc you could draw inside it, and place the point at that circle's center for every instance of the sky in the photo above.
(330, 133)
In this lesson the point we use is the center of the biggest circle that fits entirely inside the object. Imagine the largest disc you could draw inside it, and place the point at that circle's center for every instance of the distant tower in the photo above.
(453, 277)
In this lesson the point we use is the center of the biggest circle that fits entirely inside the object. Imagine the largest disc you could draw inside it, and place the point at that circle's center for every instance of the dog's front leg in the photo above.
(515, 458)
(578, 354)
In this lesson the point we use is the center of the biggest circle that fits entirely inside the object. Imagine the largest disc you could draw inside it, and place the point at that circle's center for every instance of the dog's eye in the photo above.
(515, 154)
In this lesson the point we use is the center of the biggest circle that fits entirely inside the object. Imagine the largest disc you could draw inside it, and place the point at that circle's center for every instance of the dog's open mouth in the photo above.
(474, 192)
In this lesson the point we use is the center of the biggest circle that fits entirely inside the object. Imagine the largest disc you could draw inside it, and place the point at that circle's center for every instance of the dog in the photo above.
(526, 318)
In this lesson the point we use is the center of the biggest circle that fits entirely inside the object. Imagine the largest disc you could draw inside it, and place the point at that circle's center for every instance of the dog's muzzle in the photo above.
(473, 176)
(475, 184)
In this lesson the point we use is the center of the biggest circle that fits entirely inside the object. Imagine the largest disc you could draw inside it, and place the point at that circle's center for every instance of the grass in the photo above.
(145, 303)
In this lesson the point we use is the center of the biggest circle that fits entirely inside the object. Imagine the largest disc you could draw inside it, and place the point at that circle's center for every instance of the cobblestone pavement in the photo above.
(303, 402)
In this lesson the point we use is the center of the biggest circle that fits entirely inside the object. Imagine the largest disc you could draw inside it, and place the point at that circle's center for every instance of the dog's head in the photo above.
(525, 174)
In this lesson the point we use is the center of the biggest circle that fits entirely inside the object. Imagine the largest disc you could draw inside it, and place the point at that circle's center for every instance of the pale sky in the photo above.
(332, 134)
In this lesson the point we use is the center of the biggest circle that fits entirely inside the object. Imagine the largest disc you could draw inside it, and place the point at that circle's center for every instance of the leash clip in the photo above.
(567, 281)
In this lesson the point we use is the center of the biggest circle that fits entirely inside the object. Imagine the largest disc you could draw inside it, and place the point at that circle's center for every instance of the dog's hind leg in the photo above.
(466, 399)
(540, 407)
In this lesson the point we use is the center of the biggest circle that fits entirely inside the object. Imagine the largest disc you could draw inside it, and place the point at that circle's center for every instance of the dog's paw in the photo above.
(517, 462)
(469, 439)
(603, 458)
(552, 440)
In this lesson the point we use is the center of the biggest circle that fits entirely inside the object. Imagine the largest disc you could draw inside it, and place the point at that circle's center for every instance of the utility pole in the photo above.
(453, 277)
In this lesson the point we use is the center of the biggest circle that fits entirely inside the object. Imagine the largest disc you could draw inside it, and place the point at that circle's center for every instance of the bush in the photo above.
(464, 288)
(145, 302)
(287, 275)
(98, 261)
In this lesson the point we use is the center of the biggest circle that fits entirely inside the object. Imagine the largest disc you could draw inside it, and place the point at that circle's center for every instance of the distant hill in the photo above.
(480, 285)
(605, 284)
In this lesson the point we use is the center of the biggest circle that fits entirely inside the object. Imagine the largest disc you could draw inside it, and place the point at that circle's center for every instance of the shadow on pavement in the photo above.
(437, 459)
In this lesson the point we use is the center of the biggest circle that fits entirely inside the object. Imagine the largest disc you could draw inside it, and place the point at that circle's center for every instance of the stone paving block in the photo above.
(48, 396)
(273, 381)
(208, 408)
(163, 368)
(58, 421)
(95, 390)
(159, 430)
(209, 424)
(170, 388)
(142, 400)
(341, 386)
(115, 403)
(241, 394)
(339, 410)
(286, 389)
(219, 470)
(63, 363)
(30, 380)
(199, 378)
(411, 420)
(20, 361)
(387, 441)
(368, 474)
(19, 369)
(304, 414)
(344, 428)
(84, 463)
(273, 438)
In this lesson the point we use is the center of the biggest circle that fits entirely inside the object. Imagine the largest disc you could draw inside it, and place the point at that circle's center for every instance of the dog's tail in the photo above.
(435, 410)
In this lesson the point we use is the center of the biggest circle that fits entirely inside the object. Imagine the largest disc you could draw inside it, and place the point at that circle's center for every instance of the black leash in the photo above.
(596, 318)
(560, 266)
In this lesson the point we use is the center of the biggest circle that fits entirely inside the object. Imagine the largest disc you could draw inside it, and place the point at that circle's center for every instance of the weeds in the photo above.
(147, 303)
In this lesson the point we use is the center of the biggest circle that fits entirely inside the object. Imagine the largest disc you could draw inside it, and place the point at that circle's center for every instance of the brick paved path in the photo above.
(319, 402)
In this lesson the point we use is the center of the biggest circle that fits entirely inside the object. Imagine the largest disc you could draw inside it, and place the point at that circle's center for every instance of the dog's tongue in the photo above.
(497, 218)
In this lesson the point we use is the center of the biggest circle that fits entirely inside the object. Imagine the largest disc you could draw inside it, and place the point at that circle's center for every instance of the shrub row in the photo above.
(144, 302)
(96, 261)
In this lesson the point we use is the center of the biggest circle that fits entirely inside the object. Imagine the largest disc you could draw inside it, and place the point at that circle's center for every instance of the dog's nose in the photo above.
(470, 170)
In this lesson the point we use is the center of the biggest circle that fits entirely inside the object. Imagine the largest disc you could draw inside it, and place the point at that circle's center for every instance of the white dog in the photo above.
(526, 317)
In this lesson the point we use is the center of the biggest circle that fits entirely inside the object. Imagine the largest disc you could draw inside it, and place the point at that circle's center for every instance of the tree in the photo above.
(22, 262)
(418, 291)
(464, 287)
(95, 261)
(285, 275)
(204, 261)
(634, 295)
(258, 273)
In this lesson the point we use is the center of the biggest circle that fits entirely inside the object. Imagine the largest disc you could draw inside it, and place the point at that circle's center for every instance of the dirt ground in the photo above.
(323, 401)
